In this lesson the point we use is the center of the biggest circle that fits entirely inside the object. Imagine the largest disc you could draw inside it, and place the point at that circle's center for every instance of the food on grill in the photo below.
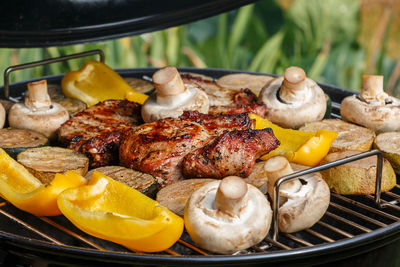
(96, 82)
(176, 195)
(350, 136)
(373, 108)
(226, 100)
(45, 162)
(232, 153)
(389, 144)
(55, 91)
(239, 81)
(227, 216)
(98, 130)
(72, 105)
(2, 116)
(26, 192)
(14, 141)
(159, 147)
(38, 113)
(357, 177)
(143, 182)
(111, 210)
(294, 99)
(172, 97)
(302, 201)
(140, 85)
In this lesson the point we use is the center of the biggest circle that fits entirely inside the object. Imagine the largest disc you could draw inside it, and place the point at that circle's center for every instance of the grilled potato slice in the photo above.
(72, 105)
(45, 162)
(389, 144)
(350, 137)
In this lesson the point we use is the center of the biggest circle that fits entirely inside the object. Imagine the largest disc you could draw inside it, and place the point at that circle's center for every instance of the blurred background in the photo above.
(334, 41)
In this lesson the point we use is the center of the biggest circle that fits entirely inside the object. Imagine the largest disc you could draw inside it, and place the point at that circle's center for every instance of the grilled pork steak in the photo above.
(97, 131)
(158, 147)
(226, 100)
(232, 153)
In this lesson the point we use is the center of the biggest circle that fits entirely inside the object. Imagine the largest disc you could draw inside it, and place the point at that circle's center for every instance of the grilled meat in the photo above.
(232, 153)
(226, 100)
(97, 131)
(159, 147)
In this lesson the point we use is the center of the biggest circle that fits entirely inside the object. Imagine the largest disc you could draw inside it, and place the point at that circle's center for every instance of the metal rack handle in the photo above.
(45, 62)
(378, 181)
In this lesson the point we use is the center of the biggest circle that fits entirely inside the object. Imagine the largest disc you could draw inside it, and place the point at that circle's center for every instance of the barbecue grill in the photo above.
(356, 230)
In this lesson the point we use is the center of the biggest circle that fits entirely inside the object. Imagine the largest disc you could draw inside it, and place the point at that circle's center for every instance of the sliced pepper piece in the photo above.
(26, 192)
(315, 149)
(96, 82)
(111, 210)
(307, 148)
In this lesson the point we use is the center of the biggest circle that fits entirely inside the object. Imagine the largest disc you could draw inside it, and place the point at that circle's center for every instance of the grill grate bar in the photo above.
(29, 227)
(193, 247)
(366, 207)
(391, 204)
(276, 243)
(71, 233)
(336, 230)
(319, 235)
(348, 222)
(172, 252)
(298, 240)
(359, 215)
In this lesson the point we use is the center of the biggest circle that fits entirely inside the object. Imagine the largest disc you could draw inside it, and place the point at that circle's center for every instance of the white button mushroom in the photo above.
(374, 108)
(301, 204)
(227, 216)
(172, 97)
(294, 99)
(2, 116)
(38, 113)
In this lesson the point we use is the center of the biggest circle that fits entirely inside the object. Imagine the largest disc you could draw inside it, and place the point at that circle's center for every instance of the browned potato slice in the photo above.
(389, 144)
(239, 81)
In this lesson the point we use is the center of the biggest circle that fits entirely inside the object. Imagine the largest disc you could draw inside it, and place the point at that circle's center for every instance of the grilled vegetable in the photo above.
(176, 195)
(140, 85)
(38, 113)
(143, 182)
(389, 144)
(96, 82)
(72, 105)
(26, 192)
(111, 210)
(243, 80)
(357, 177)
(2, 116)
(350, 136)
(45, 162)
(14, 141)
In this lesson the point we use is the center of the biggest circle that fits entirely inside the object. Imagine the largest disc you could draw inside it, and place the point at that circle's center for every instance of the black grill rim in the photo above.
(318, 253)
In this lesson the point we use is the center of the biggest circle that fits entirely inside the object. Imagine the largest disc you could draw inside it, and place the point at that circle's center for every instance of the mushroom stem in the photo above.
(168, 82)
(277, 167)
(292, 85)
(230, 195)
(372, 88)
(38, 98)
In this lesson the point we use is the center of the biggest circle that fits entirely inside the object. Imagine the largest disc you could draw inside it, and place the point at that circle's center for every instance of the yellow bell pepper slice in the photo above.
(96, 82)
(26, 192)
(315, 149)
(295, 144)
(113, 211)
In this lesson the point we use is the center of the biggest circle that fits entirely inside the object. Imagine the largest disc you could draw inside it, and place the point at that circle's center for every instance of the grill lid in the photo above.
(27, 23)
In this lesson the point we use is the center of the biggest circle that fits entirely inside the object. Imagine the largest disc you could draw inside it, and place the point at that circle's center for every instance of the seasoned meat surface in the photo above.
(159, 147)
(232, 153)
(226, 100)
(97, 131)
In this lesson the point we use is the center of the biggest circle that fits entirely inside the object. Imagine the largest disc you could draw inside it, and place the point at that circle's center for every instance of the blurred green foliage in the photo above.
(319, 36)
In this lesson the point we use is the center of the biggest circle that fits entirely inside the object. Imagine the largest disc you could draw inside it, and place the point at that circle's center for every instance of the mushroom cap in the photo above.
(305, 207)
(304, 100)
(160, 107)
(46, 122)
(373, 115)
(2, 116)
(223, 232)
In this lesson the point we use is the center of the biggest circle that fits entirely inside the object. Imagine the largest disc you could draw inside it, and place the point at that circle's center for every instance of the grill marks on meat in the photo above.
(225, 100)
(232, 153)
(98, 130)
(159, 147)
